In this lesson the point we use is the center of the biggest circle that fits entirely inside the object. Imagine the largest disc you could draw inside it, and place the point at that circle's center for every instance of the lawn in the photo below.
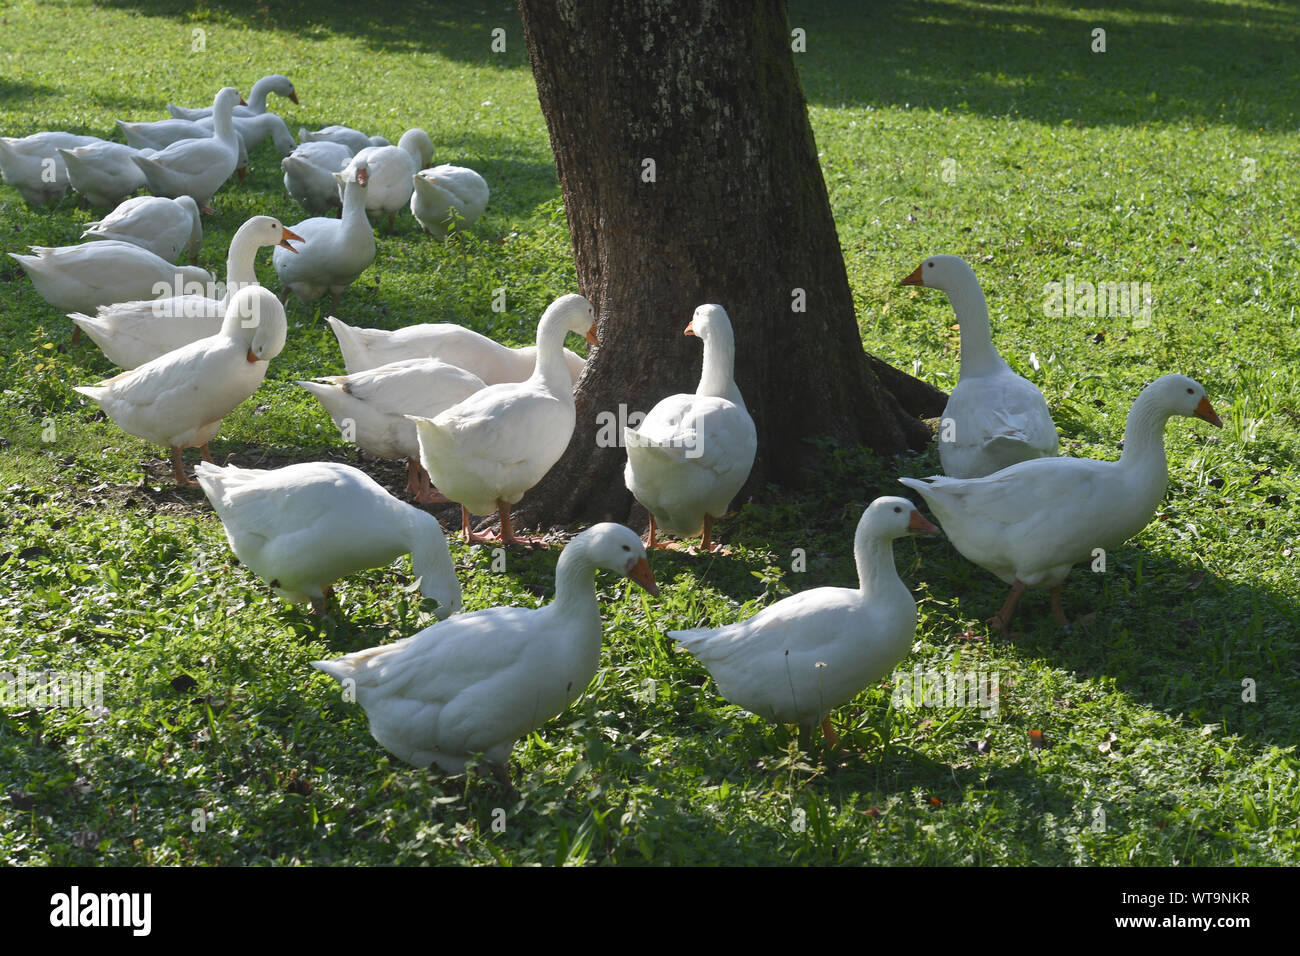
(1161, 733)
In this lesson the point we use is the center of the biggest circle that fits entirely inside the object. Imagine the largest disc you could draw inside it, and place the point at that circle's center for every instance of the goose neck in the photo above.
(1144, 437)
(575, 586)
(354, 204)
(551, 369)
(223, 123)
(978, 356)
(717, 376)
(874, 556)
(239, 260)
(257, 96)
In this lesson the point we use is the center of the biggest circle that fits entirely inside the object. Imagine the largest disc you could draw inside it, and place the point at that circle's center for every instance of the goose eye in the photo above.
(929, 265)
(897, 510)
(626, 548)
(1190, 392)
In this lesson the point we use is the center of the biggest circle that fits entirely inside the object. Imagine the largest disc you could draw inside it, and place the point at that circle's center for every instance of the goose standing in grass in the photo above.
(132, 333)
(302, 527)
(103, 173)
(454, 344)
(478, 682)
(1030, 523)
(994, 418)
(271, 83)
(179, 399)
(390, 170)
(370, 409)
(33, 166)
(487, 451)
(309, 175)
(334, 251)
(165, 227)
(198, 167)
(448, 195)
(692, 453)
(82, 278)
(354, 140)
(253, 130)
(798, 659)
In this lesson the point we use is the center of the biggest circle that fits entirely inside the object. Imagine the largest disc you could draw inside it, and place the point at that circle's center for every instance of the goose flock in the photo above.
(479, 424)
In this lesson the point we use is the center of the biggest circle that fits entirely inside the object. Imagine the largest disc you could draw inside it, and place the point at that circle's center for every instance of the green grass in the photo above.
(1122, 166)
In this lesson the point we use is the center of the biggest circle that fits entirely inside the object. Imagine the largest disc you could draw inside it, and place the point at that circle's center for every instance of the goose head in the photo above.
(254, 315)
(416, 143)
(941, 272)
(281, 84)
(1180, 395)
(575, 313)
(709, 321)
(616, 548)
(359, 174)
(227, 99)
(892, 517)
(268, 231)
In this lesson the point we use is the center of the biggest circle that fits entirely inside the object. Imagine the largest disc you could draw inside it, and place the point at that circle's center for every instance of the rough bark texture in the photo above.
(736, 213)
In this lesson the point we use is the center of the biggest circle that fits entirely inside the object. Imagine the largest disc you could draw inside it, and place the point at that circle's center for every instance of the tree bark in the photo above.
(690, 175)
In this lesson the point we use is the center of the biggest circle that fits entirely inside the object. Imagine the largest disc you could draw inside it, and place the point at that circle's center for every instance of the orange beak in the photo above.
(363, 176)
(286, 236)
(1206, 411)
(919, 525)
(914, 278)
(241, 173)
(591, 336)
(293, 97)
(243, 102)
(251, 356)
(643, 576)
(690, 327)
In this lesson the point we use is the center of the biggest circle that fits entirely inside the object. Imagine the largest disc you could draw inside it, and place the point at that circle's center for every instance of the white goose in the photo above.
(692, 453)
(33, 166)
(82, 278)
(309, 175)
(454, 344)
(271, 83)
(302, 527)
(1031, 522)
(800, 658)
(165, 227)
(370, 408)
(486, 451)
(254, 129)
(155, 136)
(197, 167)
(102, 172)
(179, 399)
(994, 418)
(334, 251)
(391, 170)
(132, 333)
(446, 195)
(476, 683)
(354, 140)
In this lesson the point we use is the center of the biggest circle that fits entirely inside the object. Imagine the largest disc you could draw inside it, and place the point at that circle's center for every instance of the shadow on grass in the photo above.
(1164, 61)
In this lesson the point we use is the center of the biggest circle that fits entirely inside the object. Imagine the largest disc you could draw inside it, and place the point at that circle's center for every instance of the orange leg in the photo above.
(651, 543)
(178, 471)
(467, 529)
(829, 732)
(76, 335)
(206, 452)
(425, 492)
(1058, 610)
(1003, 617)
(321, 604)
(508, 535)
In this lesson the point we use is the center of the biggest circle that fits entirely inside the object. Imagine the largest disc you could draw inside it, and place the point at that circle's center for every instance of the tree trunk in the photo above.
(690, 175)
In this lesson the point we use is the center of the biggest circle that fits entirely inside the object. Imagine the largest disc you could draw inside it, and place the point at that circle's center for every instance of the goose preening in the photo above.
(1031, 522)
(103, 173)
(994, 417)
(390, 170)
(165, 227)
(692, 453)
(448, 195)
(477, 682)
